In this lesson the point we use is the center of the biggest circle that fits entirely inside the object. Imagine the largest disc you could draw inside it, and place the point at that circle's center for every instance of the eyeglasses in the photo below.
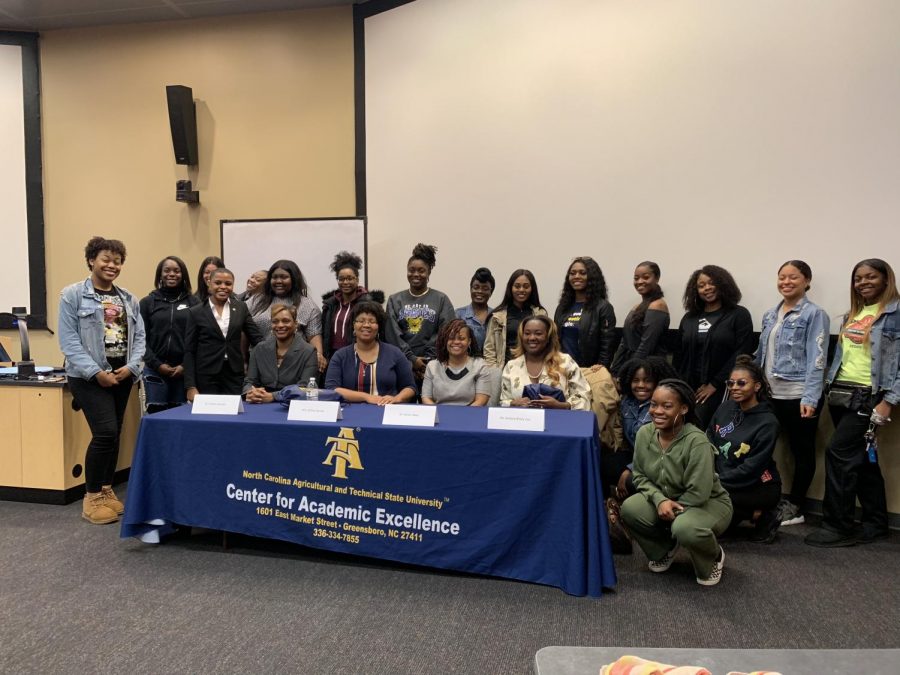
(736, 383)
(366, 322)
(343, 279)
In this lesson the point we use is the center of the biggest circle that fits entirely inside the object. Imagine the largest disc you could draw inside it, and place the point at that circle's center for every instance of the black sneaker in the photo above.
(766, 527)
(825, 538)
(869, 535)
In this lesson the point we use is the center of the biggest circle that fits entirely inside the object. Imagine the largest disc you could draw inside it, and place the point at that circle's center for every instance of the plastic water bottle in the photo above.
(312, 390)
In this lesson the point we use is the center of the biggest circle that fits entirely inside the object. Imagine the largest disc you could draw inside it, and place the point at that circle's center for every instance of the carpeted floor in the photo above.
(76, 598)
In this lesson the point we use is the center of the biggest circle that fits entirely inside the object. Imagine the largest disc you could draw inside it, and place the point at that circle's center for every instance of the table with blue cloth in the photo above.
(515, 504)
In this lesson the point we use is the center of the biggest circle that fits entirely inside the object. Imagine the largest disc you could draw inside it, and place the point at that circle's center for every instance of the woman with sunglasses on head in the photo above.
(713, 332)
(415, 316)
(337, 307)
(793, 345)
(165, 313)
(369, 370)
(538, 362)
(864, 387)
(209, 264)
(680, 502)
(520, 300)
(744, 431)
(101, 334)
(477, 312)
(644, 330)
(455, 375)
(285, 285)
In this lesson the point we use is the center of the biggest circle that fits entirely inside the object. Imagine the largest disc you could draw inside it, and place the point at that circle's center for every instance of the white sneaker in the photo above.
(666, 562)
(790, 514)
(716, 575)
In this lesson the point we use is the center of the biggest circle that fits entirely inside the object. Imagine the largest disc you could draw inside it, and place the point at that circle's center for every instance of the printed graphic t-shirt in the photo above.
(568, 336)
(115, 325)
(856, 357)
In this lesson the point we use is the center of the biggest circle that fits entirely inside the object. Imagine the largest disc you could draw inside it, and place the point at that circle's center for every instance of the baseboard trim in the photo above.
(56, 497)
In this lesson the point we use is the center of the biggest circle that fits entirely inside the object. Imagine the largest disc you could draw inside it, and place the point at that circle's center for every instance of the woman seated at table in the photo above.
(539, 361)
(370, 371)
(680, 502)
(455, 376)
(744, 431)
(284, 359)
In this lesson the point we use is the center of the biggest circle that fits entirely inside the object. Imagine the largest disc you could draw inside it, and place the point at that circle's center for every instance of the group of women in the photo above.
(687, 446)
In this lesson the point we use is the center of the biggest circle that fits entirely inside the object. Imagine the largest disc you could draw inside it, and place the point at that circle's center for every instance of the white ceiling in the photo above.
(43, 15)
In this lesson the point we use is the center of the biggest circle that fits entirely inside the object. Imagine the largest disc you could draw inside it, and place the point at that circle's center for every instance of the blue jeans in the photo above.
(163, 392)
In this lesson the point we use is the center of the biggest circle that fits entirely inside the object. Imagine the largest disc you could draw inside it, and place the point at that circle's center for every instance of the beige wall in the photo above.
(274, 97)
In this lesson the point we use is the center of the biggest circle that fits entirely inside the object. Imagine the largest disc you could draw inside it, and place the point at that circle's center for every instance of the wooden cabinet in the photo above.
(43, 441)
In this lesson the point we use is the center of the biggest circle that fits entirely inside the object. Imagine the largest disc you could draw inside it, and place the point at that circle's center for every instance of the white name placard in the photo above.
(217, 404)
(516, 419)
(410, 415)
(314, 411)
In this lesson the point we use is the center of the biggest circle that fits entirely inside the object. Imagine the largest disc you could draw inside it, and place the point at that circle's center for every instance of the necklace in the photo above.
(420, 294)
(534, 377)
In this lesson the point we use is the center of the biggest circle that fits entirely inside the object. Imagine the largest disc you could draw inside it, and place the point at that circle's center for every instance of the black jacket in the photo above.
(205, 348)
(165, 322)
(299, 365)
(729, 337)
(596, 333)
(330, 306)
(745, 445)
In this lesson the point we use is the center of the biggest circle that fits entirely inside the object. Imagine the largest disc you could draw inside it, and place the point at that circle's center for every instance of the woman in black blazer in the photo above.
(213, 362)
(284, 359)
(713, 332)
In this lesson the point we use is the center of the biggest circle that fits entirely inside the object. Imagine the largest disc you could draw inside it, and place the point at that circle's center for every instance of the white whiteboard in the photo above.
(523, 133)
(250, 245)
(15, 289)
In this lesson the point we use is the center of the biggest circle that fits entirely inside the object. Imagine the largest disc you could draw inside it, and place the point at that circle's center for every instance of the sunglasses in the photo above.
(736, 383)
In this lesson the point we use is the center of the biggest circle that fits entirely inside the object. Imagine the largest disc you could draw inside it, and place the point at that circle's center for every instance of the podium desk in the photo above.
(43, 441)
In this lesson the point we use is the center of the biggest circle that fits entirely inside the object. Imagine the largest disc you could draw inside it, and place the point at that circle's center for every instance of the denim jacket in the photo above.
(81, 331)
(634, 415)
(885, 344)
(801, 347)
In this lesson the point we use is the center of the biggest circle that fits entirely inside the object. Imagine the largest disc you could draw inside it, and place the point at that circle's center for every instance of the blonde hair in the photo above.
(278, 309)
(857, 302)
(552, 353)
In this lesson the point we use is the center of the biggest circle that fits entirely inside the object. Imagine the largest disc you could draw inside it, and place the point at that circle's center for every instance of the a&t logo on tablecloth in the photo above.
(344, 452)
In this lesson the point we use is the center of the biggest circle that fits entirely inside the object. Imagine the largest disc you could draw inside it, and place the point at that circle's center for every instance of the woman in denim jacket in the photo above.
(864, 386)
(793, 345)
(101, 334)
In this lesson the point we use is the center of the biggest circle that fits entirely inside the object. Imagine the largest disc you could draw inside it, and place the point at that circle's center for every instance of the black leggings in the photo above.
(759, 497)
(104, 410)
(801, 437)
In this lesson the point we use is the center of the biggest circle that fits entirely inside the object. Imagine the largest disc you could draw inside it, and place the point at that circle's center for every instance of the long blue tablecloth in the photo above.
(521, 505)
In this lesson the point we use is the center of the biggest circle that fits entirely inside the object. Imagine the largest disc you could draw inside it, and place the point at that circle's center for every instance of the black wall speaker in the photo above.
(183, 120)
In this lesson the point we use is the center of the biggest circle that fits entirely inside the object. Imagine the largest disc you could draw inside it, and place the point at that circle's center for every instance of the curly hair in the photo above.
(533, 300)
(552, 354)
(98, 244)
(656, 368)
(202, 287)
(185, 279)
(447, 332)
(726, 288)
(346, 260)
(639, 312)
(596, 285)
(372, 308)
(685, 394)
(746, 363)
(426, 253)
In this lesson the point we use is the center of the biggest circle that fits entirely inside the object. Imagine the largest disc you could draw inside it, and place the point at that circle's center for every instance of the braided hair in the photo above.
(746, 363)
(685, 394)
